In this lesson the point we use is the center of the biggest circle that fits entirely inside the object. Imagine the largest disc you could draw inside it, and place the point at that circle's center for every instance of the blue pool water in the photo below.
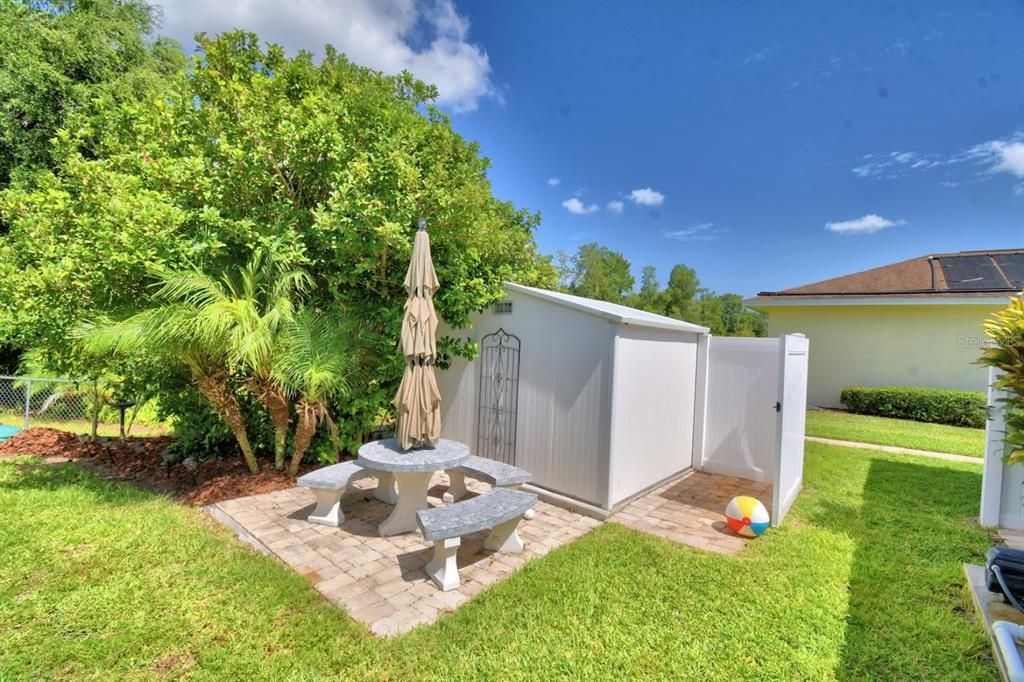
(7, 431)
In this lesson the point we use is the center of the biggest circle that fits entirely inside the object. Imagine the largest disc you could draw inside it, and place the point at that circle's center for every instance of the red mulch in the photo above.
(50, 443)
(137, 461)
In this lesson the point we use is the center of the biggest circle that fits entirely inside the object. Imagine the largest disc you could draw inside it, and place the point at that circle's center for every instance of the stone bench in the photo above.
(499, 509)
(498, 474)
(329, 483)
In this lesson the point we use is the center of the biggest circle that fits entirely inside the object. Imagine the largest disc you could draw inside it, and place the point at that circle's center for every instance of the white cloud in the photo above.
(428, 39)
(694, 233)
(1001, 156)
(554, 182)
(647, 197)
(615, 207)
(757, 56)
(863, 225)
(577, 207)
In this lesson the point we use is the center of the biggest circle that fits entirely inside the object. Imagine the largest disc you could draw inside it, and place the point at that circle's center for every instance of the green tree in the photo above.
(328, 165)
(188, 322)
(323, 360)
(58, 58)
(708, 311)
(740, 320)
(598, 272)
(256, 301)
(681, 292)
(649, 296)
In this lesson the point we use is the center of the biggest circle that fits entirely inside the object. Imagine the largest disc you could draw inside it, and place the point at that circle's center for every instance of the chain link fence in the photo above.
(67, 404)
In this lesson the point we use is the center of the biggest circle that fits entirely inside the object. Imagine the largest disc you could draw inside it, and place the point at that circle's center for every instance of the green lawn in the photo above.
(902, 433)
(864, 581)
(84, 426)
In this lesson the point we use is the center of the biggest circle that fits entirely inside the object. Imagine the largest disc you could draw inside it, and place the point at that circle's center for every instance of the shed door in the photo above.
(792, 409)
(499, 397)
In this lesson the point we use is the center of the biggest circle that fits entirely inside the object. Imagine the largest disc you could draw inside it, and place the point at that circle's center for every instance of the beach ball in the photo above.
(746, 516)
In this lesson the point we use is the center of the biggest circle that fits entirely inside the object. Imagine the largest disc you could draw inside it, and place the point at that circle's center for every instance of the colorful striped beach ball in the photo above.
(747, 516)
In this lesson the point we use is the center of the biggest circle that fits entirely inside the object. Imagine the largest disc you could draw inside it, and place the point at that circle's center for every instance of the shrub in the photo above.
(1006, 354)
(936, 405)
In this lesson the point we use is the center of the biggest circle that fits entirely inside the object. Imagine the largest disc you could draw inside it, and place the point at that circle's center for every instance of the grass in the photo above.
(84, 426)
(864, 581)
(902, 433)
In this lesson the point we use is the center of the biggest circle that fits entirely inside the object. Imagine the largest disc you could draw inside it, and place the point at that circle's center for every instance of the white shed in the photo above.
(597, 400)
(601, 402)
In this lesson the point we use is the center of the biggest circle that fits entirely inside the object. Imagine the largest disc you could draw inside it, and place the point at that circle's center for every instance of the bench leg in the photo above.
(456, 486)
(386, 491)
(443, 569)
(529, 512)
(504, 538)
(328, 508)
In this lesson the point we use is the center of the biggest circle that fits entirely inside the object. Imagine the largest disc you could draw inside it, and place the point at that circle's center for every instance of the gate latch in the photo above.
(778, 406)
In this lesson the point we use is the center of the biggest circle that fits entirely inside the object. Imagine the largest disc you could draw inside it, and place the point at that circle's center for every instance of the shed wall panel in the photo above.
(652, 408)
(564, 398)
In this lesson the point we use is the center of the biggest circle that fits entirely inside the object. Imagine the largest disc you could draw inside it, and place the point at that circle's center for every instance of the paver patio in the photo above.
(690, 510)
(380, 580)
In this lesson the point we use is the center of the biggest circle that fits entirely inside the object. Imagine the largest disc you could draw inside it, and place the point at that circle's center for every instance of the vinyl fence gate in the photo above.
(755, 410)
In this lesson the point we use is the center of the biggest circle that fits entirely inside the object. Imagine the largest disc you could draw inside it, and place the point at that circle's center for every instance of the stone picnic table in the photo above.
(412, 471)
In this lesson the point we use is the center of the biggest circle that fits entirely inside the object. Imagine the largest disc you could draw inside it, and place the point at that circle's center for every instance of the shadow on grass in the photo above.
(31, 474)
(906, 611)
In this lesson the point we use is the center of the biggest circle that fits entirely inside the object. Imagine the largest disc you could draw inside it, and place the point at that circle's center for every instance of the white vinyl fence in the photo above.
(1002, 485)
(756, 403)
(742, 425)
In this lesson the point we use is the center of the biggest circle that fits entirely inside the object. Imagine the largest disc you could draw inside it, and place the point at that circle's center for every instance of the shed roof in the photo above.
(961, 275)
(614, 312)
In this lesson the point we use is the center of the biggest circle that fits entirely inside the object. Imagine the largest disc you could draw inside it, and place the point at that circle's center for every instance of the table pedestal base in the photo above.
(412, 496)
(386, 491)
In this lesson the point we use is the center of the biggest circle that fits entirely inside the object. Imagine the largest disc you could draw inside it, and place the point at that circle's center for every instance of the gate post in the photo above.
(992, 473)
(28, 400)
(95, 409)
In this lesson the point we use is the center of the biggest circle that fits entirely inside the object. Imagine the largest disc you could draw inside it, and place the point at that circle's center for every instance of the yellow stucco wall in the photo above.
(886, 345)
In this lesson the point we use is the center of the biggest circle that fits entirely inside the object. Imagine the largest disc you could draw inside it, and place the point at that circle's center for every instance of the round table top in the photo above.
(385, 455)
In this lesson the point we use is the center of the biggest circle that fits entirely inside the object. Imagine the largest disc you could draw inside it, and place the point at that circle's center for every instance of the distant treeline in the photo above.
(596, 271)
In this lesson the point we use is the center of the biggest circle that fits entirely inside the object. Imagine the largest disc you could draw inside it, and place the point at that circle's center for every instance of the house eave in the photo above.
(824, 301)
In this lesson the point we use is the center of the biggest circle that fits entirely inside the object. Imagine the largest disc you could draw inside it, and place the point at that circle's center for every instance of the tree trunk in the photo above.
(217, 391)
(304, 431)
(275, 399)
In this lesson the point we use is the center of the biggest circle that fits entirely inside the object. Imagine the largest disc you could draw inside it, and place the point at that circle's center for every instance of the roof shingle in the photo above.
(949, 275)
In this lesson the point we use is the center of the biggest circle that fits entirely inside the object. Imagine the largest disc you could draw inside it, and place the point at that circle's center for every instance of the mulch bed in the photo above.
(137, 461)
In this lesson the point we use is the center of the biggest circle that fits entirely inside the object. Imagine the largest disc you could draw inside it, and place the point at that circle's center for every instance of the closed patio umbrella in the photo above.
(418, 401)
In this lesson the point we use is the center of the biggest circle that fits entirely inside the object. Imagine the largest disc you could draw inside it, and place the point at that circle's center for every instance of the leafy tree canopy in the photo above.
(59, 58)
(326, 165)
(598, 272)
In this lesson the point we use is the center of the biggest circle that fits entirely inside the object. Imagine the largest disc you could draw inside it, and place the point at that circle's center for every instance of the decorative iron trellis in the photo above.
(499, 397)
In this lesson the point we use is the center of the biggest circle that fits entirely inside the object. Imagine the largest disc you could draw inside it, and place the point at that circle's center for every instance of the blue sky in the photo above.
(763, 144)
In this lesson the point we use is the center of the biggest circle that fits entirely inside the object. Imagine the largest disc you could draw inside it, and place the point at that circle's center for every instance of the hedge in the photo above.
(936, 405)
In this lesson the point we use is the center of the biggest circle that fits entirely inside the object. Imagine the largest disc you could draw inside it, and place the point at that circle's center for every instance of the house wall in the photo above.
(562, 434)
(886, 345)
(653, 402)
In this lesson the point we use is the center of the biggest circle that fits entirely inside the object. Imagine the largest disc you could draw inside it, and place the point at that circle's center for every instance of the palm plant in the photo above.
(1006, 353)
(190, 329)
(251, 302)
(322, 358)
(216, 326)
(259, 299)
